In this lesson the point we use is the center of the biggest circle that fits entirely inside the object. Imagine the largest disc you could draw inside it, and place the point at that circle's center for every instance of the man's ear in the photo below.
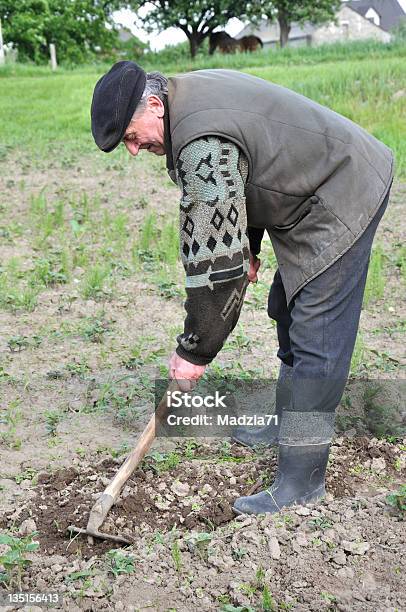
(156, 106)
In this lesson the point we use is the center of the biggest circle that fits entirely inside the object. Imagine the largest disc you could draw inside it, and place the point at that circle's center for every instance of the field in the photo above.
(91, 302)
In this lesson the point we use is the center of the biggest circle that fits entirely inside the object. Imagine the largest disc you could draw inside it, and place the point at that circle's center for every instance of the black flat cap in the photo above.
(115, 99)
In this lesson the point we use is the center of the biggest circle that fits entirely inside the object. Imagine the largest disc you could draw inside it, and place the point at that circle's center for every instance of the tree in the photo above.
(287, 12)
(78, 28)
(23, 25)
(196, 19)
(81, 28)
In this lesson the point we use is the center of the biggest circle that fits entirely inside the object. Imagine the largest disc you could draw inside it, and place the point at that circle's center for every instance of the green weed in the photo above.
(176, 556)
(11, 416)
(16, 299)
(15, 560)
(141, 355)
(78, 368)
(94, 284)
(375, 284)
(27, 474)
(238, 553)
(52, 418)
(401, 262)
(358, 356)
(94, 328)
(15, 291)
(383, 361)
(168, 243)
(238, 340)
(148, 233)
(168, 289)
(162, 462)
(116, 227)
(120, 562)
(268, 603)
(45, 219)
(189, 449)
(121, 397)
(328, 597)
(226, 453)
(73, 576)
(18, 343)
(398, 500)
(50, 272)
(257, 294)
(200, 543)
(320, 522)
(123, 449)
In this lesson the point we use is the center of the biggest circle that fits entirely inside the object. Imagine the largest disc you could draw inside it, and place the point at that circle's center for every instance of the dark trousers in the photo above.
(316, 335)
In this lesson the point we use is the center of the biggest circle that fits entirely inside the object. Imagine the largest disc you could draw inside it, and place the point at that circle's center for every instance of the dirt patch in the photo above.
(190, 552)
(196, 494)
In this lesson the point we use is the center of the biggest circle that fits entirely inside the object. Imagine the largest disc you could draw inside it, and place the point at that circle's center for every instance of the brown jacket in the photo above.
(315, 179)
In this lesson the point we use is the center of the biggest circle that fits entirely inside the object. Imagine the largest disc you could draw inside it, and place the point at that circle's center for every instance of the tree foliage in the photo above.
(196, 19)
(76, 27)
(23, 25)
(287, 12)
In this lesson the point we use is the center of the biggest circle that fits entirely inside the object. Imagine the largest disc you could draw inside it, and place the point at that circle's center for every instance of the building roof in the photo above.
(389, 11)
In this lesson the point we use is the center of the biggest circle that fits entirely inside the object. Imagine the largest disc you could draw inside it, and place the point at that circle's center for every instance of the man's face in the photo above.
(146, 131)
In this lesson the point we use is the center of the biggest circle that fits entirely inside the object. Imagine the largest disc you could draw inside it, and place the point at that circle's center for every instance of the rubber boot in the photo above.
(300, 479)
(268, 435)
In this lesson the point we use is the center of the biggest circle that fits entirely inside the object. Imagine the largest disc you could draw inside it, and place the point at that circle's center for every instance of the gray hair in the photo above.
(156, 85)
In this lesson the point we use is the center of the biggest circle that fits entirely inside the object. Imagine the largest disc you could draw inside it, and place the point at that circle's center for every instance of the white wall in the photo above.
(350, 26)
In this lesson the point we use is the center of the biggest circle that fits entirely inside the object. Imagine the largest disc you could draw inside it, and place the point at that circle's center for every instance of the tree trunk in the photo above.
(284, 27)
(195, 41)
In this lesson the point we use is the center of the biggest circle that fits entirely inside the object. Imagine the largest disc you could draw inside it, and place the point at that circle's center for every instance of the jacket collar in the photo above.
(168, 143)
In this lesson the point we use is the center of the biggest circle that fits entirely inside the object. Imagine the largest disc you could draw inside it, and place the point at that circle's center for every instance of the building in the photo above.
(384, 13)
(355, 20)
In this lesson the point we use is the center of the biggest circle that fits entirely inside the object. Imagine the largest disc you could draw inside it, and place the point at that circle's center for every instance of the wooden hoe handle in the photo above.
(100, 509)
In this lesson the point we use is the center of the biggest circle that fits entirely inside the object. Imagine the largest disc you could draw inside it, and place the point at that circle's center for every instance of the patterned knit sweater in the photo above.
(214, 244)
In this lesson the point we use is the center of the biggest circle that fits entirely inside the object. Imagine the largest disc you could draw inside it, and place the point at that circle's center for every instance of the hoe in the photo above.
(106, 500)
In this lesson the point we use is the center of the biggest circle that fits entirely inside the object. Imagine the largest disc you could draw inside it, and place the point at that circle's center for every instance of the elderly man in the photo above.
(250, 156)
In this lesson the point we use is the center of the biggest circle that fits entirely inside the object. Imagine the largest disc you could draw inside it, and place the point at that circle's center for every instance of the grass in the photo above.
(95, 282)
(358, 80)
(176, 556)
(401, 262)
(358, 356)
(375, 285)
(10, 417)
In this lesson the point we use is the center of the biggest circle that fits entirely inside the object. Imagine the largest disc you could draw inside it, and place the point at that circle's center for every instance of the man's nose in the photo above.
(132, 147)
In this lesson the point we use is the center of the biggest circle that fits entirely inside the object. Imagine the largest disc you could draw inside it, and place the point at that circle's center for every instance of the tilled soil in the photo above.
(343, 554)
(197, 494)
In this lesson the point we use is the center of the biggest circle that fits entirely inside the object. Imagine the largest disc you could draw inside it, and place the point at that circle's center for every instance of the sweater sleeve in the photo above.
(213, 243)
(255, 235)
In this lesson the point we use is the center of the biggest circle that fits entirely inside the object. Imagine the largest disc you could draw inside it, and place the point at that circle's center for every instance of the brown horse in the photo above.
(228, 44)
(250, 43)
(223, 41)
